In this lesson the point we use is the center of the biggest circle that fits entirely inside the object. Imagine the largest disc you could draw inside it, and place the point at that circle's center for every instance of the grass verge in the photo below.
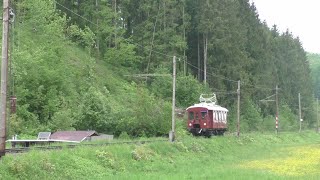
(252, 156)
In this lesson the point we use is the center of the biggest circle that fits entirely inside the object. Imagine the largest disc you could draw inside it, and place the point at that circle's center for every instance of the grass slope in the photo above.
(252, 156)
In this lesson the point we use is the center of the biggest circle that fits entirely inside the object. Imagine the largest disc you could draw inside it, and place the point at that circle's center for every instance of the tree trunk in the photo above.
(205, 49)
(152, 40)
(115, 23)
(164, 15)
(97, 32)
(199, 64)
(184, 39)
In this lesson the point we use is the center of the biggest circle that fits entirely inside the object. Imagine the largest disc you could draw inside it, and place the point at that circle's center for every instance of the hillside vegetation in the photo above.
(73, 65)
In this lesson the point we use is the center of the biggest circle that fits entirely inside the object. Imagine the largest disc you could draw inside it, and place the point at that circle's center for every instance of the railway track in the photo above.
(46, 148)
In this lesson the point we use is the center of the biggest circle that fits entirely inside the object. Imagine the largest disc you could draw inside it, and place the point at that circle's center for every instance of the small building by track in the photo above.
(73, 136)
(62, 137)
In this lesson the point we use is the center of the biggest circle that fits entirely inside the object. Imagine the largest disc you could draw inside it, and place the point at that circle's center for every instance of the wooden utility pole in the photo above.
(238, 112)
(277, 110)
(4, 73)
(300, 120)
(172, 134)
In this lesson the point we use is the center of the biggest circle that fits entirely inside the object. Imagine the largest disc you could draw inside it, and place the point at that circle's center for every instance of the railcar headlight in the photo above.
(190, 124)
(204, 124)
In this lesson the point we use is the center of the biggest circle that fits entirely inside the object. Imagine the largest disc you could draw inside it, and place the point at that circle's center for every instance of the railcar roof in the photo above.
(209, 106)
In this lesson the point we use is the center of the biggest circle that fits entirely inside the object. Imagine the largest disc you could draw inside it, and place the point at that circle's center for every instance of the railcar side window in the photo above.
(191, 115)
(215, 115)
(203, 114)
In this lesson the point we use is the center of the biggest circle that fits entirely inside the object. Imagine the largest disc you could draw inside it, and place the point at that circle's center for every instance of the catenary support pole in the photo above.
(238, 112)
(300, 120)
(4, 73)
(317, 115)
(277, 110)
(172, 136)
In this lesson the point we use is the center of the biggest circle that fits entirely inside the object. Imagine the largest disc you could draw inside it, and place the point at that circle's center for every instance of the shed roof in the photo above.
(73, 135)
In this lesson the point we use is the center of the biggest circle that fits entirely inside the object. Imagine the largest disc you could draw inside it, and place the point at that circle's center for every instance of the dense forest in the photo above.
(314, 61)
(74, 65)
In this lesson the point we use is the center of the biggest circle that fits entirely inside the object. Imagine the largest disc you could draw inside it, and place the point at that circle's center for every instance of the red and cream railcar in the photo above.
(207, 119)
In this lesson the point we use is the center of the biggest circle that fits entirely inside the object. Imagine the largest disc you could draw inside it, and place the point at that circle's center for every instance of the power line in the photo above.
(226, 93)
(215, 75)
(267, 98)
(227, 79)
(160, 53)
(75, 13)
(157, 52)
(258, 87)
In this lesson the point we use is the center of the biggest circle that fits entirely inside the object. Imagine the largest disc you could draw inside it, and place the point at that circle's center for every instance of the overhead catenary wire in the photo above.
(215, 75)
(225, 93)
(75, 13)
(163, 54)
(230, 80)
(267, 98)
(258, 87)
(156, 52)
(160, 53)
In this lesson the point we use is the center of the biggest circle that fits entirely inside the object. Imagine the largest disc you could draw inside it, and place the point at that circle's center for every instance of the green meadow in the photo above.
(252, 156)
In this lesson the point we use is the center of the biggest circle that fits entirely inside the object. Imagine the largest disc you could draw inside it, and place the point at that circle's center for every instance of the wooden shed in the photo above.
(73, 136)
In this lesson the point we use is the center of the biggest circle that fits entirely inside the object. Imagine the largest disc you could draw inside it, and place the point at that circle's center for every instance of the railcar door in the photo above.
(215, 119)
(190, 118)
(210, 119)
(204, 119)
(220, 119)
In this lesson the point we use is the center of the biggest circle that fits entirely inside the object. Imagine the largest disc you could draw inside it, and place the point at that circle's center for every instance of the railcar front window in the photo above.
(203, 114)
(191, 115)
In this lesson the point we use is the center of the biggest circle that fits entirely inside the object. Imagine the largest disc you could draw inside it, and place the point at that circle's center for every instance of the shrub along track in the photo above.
(46, 148)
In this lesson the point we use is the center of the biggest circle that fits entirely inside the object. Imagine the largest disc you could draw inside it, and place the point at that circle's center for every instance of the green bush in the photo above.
(288, 121)
(124, 135)
(250, 116)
